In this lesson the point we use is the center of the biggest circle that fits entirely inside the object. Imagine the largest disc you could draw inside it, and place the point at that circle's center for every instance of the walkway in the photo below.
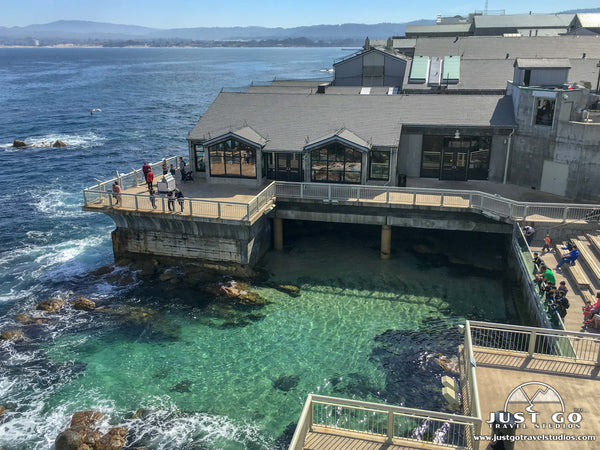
(500, 372)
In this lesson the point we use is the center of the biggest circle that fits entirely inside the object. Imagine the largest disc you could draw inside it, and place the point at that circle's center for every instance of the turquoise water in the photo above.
(362, 328)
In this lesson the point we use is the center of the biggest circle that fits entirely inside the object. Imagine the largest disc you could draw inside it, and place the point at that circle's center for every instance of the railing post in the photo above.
(110, 198)
(532, 339)
(190, 206)
(218, 209)
(414, 198)
(565, 214)
(301, 190)
(162, 202)
(247, 211)
(525, 212)
(387, 197)
(358, 194)
(511, 210)
(442, 199)
(137, 181)
(470, 200)
(329, 192)
(136, 202)
(390, 428)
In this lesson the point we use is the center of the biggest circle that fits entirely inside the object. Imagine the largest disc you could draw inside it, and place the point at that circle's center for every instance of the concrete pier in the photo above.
(278, 233)
(386, 241)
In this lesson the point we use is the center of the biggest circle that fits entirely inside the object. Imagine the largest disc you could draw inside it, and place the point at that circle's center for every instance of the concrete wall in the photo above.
(184, 237)
(409, 154)
(498, 158)
(574, 143)
(542, 77)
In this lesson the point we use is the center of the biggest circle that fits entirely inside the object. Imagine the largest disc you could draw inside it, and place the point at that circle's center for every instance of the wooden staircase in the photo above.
(585, 274)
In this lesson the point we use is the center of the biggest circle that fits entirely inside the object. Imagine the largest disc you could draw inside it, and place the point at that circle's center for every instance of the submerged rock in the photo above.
(290, 289)
(27, 319)
(182, 387)
(84, 304)
(448, 364)
(86, 419)
(12, 335)
(286, 382)
(51, 305)
(103, 270)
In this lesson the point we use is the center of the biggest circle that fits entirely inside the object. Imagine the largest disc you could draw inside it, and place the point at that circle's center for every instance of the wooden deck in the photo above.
(578, 383)
(328, 439)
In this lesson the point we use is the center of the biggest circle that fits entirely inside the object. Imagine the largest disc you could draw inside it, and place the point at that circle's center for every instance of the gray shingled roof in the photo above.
(448, 28)
(497, 47)
(542, 63)
(524, 21)
(290, 121)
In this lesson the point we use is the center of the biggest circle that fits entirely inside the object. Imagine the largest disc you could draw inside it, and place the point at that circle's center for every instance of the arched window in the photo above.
(336, 163)
(232, 158)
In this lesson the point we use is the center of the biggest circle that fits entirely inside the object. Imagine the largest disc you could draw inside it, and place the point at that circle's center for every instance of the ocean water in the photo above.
(178, 367)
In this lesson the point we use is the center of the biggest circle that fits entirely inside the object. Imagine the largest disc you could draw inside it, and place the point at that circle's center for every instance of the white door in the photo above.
(554, 177)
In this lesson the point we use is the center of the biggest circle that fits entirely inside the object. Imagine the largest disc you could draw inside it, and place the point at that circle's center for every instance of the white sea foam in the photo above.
(167, 428)
(73, 141)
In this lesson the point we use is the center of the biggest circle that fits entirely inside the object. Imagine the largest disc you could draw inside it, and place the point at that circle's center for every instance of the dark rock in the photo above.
(50, 305)
(68, 440)
(182, 387)
(113, 440)
(84, 304)
(103, 270)
(19, 144)
(27, 319)
(12, 335)
(86, 419)
(286, 382)
(2, 409)
(59, 143)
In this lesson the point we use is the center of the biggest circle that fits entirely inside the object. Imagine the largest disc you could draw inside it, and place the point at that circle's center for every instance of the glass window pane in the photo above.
(380, 165)
(217, 162)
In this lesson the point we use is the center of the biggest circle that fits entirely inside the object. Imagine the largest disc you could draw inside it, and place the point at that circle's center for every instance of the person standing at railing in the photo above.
(116, 189)
(529, 232)
(171, 201)
(165, 167)
(173, 171)
(179, 196)
(150, 179)
(145, 169)
(152, 199)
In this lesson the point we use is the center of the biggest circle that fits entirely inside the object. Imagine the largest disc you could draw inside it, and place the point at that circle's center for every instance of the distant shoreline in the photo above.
(176, 46)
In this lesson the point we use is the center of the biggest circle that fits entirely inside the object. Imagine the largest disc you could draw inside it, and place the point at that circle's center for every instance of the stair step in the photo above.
(588, 256)
(595, 241)
(576, 271)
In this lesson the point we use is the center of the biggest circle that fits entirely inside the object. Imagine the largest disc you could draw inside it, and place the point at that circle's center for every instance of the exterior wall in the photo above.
(349, 73)
(498, 158)
(409, 154)
(542, 77)
(394, 72)
(178, 237)
(568, 142)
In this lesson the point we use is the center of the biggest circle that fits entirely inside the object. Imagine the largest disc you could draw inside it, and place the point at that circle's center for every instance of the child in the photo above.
(546, 246)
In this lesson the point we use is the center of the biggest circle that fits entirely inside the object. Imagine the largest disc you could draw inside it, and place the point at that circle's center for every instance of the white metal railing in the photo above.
(386, 421)
(369, 195)
(536, 341)
(441, 198)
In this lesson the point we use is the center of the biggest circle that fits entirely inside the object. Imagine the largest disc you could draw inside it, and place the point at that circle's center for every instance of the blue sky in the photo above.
(269, 13)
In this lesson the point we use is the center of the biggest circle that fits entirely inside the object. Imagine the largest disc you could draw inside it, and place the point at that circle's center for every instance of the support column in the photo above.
(386, 241)
(278, 233)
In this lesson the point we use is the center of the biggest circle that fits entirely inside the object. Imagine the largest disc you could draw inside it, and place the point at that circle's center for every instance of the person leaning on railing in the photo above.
(116, 189)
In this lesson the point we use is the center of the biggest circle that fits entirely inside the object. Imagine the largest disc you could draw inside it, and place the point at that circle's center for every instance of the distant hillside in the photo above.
(580, 11)
(76, 31)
